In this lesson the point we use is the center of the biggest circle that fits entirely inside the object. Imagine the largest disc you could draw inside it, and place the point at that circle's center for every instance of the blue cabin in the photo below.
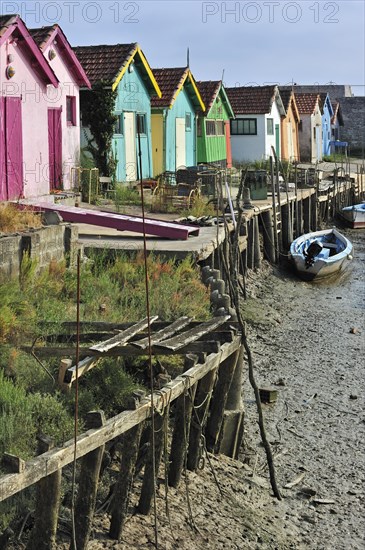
(125, 68)
(327, 114)
(173, 118)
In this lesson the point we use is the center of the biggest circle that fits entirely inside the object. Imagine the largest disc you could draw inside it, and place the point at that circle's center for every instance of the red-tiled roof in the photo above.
(104, 62)
(42, 34)
(169, 81)
(285, 98)
(208, 90)
(247, 100)
(307, 102)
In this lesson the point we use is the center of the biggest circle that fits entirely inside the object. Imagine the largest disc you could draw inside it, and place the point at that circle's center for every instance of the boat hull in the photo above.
(355, 215)
(323, 265)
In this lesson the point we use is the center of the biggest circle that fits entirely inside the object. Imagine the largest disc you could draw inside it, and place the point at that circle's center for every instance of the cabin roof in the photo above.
(247, 100)
(44, 36)
(209, 90)
(307, 102)
(171, 82)
(287, 97)
(109, 62)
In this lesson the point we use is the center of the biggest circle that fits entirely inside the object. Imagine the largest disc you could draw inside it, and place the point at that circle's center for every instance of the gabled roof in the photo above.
(12, 27)
(288, 97)
(254, 100)
(209, 91)
(45, 36)
(171, 82)
(110, 62)
(326, 98)
(337, 113)
(307, 102)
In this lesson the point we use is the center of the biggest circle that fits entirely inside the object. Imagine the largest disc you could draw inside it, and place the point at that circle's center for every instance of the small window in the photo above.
(118, 127)
(220, 127)
(141, 124)
(199, 127)
(71, 110)
(270, 126)
(188, 122)
(210, 128)
(244, 127)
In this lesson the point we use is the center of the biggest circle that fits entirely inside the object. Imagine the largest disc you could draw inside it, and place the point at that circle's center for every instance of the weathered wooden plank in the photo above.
(163, 333)
(85, 365)
(209, 346)
(50, 462)
(123, 337)
(181, 340)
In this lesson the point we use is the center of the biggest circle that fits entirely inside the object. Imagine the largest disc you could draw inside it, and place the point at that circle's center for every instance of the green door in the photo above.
(277, 139)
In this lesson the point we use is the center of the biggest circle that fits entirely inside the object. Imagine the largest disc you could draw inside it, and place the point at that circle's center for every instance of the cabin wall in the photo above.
(213, 148)
(70, 133)
(270, 140)
(249, 148)
(181, 107)
(289, 136)
(326, 129)
(134, 97)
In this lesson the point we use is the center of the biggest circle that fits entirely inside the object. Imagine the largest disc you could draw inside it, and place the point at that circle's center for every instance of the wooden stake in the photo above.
(88, 485)
(43, 534)
(180, 438)
(130, 447)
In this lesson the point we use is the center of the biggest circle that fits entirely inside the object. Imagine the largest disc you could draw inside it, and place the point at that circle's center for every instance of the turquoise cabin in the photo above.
(327, 114)
(125, 68)
(173, 120)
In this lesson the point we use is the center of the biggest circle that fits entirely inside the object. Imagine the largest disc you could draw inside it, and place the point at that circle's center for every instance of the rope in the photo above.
(149, 340)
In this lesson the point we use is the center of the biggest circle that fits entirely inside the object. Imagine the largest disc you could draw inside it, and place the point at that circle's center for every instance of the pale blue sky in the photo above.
(254, 42)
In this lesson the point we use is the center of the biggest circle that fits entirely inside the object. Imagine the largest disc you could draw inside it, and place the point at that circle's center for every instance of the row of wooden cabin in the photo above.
(176, 120)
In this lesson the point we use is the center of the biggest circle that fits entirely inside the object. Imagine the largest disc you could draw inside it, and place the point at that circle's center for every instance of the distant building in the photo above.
(310, 126)
(289, 127)
(174, 120)
(255, 130)
(213, 128)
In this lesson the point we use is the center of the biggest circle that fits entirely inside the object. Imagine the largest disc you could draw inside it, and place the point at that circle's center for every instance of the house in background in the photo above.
(63, 112)
(327, 114)
(310, 126)
(124, 68)
(213, 125)
(256, 126)
(336, 123)
(27, 88)
(174, 120)
(289, 127)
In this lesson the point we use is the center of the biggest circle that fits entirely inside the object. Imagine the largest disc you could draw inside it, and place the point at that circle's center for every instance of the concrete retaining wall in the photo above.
(55, 242)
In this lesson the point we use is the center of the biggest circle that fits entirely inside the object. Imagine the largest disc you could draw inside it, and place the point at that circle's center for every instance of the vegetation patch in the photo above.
(13, 220)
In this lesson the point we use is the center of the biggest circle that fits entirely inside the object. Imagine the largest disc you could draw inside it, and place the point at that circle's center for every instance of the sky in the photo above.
(248, 42)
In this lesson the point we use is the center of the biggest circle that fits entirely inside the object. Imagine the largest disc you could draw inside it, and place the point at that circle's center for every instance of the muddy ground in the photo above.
(308, 344)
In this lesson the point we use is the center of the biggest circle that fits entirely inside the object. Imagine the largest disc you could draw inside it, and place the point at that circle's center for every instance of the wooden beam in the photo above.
(51, 461)
(192, 335)
(163, 333)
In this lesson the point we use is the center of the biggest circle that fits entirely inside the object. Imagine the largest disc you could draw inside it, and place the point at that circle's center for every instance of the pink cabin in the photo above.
(39, 110)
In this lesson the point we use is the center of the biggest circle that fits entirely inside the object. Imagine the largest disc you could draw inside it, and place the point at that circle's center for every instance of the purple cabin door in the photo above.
(11, 148)
(55, 148)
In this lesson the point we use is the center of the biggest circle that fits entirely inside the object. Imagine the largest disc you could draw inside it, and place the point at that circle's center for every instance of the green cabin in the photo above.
(213, 127)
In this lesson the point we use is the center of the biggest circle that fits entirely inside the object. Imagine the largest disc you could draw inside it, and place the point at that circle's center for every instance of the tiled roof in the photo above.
(285, 98)
(169, 81)
(104, 62)
(6, 21)
(306, 103)
(247, 100)
(42, 34)
(208, 90)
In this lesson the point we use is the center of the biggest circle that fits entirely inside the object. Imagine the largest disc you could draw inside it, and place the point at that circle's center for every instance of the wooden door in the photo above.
(55, 148)
(130, 146)
(11, 148)
(180, 144)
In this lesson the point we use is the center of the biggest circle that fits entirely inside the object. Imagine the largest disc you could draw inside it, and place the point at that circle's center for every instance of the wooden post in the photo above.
(64, 365)
(306, 215)
(287, 234)
(180, 437)
(250, 244)
(130, 447)
(275, 218)
(202, 401)
(299, 222)
(268, 235)
(256, 243)
(219, 399)
(43, 534)
(149, 478)
(88, 485)
(314, 211)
